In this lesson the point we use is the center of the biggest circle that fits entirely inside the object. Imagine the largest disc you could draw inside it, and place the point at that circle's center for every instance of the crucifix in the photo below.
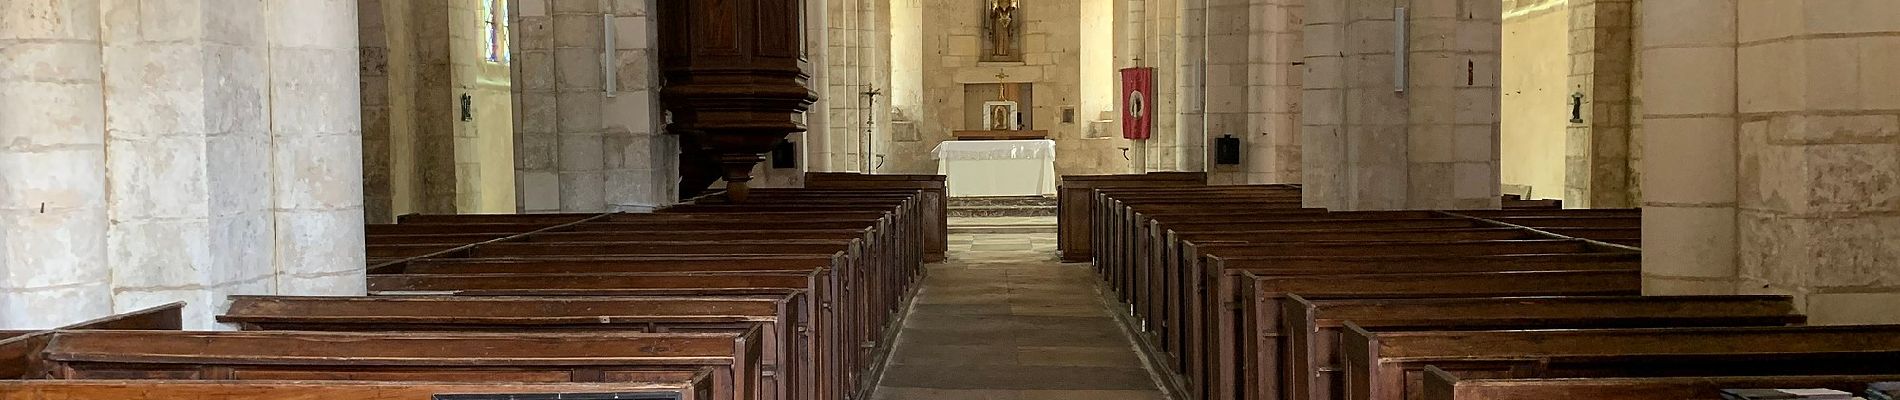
(1002, 75)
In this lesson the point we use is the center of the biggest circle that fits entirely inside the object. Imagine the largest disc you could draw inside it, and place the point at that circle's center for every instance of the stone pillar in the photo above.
(1596, 167)
(1225, 80)
(1818, 156)
(1689, 231)
(1433, 145)
(578, 123)
(641, 163)
(189, 148)
(378, 195)
(537, 178)
(1190, 97)
(316, 142)
(1273, 90)
(53, 216)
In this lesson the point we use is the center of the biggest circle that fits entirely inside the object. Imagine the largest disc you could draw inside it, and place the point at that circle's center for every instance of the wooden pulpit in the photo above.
(736, 80)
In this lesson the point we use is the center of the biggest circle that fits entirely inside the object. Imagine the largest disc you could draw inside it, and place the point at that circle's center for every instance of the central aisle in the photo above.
(1002, 319)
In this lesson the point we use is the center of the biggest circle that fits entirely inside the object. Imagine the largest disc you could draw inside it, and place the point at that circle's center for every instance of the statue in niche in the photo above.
(1003, 29)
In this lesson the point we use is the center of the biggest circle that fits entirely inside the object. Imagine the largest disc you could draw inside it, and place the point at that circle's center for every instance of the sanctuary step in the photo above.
(1002, 206)
(1002, 225)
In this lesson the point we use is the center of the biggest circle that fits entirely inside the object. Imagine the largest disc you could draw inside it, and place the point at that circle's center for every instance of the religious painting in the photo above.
(1002, 31)
(1000, 116)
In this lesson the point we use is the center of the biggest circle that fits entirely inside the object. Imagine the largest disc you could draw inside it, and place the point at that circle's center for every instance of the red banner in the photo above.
(1137, 115)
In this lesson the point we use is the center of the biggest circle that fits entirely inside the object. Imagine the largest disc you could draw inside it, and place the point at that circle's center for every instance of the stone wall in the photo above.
(952, 34)
(1369, 146)
(176, 151)
(1536, 51)
(579, 148)
(1781, 132)
(1597, 162)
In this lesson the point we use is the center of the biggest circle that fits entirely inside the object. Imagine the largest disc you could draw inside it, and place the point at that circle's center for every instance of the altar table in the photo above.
(998, 167)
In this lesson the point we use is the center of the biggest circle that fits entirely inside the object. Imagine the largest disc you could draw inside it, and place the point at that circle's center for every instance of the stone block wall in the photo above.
(1779, 122)
(579, 148)
(1434, 145)
(1536, 95)
(195, 150)
(952, 31)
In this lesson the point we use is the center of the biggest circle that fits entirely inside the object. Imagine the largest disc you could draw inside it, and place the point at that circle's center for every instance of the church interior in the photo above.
(949, 199)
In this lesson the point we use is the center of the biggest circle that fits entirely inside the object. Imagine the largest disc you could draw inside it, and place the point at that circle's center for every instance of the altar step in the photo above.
(1003, 206)
(1003, 225)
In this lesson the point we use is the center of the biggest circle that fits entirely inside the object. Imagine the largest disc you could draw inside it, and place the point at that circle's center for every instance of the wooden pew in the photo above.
(20, 350)
(935, 199)
(1378, 365)
(689, 387)
(421, 357)
(1075, 208)
(1441, 385)
(1226, 362)
(840, 325)
(789, 359)
(1309, 329)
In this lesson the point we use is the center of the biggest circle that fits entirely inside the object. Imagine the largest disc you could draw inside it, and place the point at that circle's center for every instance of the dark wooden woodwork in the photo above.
(735, 82)
(697, 386)
(935, 200)
(788, 357)
(1074, 207)
(733, 357)
(1441, 385)
(1309, 329)
(1385, 365)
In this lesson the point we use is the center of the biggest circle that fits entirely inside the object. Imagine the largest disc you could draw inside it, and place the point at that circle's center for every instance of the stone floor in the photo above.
(1003, 319)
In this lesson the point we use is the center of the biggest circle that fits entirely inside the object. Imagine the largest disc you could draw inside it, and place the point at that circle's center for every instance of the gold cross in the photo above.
(1002, 75)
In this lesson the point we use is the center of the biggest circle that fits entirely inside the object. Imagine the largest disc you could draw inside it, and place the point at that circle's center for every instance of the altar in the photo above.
(998, 167)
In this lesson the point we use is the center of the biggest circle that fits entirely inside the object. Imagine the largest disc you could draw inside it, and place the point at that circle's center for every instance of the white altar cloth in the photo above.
(998, 167)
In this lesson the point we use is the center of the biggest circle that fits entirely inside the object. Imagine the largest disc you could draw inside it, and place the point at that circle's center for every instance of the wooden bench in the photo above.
(1386, 365)
(790, 359)
(839, 315)
(410, 356)
(19, 350)
(935, 199)
(1441, 385)
(687, 387)
(1075, 207)
(1226, 362)
(1309, 329)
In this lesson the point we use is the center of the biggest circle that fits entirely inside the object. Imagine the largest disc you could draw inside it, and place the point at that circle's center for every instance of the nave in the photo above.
(1002, 318)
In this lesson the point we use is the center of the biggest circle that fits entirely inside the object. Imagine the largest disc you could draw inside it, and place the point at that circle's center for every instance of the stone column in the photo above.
(1818, 156)
(316, 141)
(189, 150)
(1432, 145)
(1273, 90)
(816, 146)
(1190, 97)
(1690, 189)
(378, 195)
(578, 124)
(1596, 167)
(537, 177)
(53, 216)
(1225, 80)
(641, 162)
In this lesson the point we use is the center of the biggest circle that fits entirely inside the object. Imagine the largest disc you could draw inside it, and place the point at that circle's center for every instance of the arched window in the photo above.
(495, 20)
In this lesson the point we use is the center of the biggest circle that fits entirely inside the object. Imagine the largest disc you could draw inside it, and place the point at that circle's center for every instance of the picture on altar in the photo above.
(1001, 116)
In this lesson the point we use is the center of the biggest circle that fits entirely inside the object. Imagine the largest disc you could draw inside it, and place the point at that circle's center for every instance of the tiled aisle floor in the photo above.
(1002, 319)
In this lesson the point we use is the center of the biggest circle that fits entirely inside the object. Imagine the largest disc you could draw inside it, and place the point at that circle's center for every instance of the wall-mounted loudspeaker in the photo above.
(1227, 150)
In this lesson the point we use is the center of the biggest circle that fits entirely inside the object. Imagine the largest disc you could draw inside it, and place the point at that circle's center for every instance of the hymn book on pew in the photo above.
(1780, 394)
(1883, 391)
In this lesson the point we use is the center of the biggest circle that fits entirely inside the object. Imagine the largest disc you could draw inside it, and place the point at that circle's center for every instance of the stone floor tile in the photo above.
(1003, 319)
